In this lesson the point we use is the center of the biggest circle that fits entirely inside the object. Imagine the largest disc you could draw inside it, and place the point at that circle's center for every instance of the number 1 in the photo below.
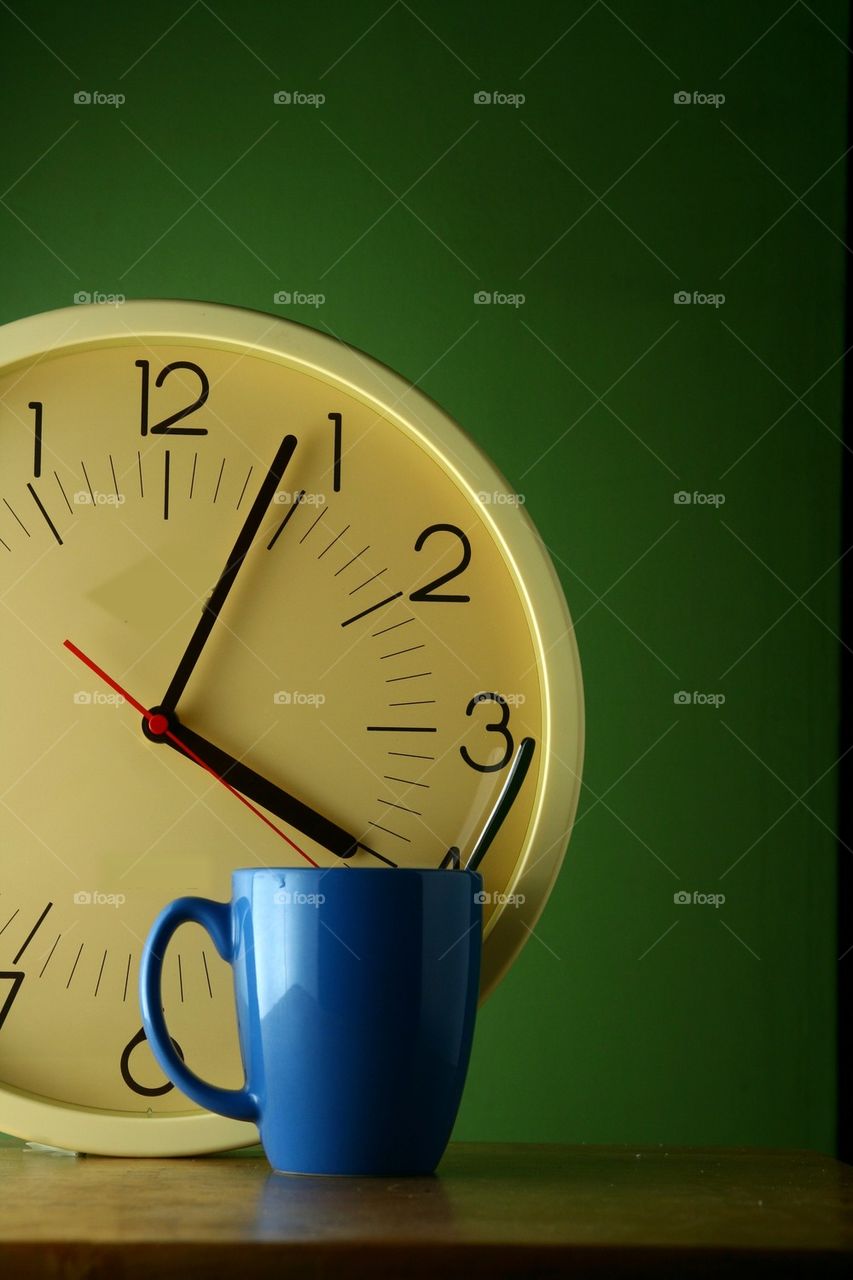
(37, 408)
(336, 474)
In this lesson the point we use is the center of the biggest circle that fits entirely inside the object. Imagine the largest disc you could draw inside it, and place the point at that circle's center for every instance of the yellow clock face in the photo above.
(388, 635)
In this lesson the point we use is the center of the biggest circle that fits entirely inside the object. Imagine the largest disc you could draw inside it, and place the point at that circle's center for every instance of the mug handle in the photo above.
(215, 917)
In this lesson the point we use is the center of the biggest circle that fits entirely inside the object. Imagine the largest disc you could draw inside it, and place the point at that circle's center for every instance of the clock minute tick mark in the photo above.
(18, 518)
(332, 543)
(218, 481)
(37, 500)
(392, 627)
(74, 966)
(166, 475)
(88, 482)
(207, 975)
(416, 675)
(9, 921)
(367, 849)
(115, 482)
(32, 933)
(394, 805)
(368, 581)
(100, 972)
(372, 608)
(139, 467)
(126, 976)
(64, 494)
(379, 827)
(315, 521)
(280, 530)
(353, 560)
(245, 483)
(50, 953)
(399, 728)
(397, 652)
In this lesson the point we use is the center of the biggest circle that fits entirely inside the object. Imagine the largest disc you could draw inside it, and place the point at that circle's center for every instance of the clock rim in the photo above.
(320, 354)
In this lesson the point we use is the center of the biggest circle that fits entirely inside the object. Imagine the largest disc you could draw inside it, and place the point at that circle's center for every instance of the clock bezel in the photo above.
(202, 324)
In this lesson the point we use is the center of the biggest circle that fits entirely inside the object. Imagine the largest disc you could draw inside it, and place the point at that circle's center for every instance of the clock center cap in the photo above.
(156, 725)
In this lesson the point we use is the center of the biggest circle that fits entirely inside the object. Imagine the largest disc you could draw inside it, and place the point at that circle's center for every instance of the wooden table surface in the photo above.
(496, 1210)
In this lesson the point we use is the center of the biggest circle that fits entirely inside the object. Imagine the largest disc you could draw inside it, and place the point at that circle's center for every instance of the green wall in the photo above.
(628, 1017)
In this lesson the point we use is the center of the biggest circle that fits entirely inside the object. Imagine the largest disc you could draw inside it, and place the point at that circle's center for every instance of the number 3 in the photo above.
(501, 727)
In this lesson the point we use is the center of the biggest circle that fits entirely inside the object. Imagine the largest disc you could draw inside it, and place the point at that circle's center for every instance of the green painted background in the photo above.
(628, 1017)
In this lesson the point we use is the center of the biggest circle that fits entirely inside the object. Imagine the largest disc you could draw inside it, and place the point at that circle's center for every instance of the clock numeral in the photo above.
(38, 409)
(500, 726)
(146, 1090)
(16, 978)
(428, 592)
(164, 427)
(337, 419)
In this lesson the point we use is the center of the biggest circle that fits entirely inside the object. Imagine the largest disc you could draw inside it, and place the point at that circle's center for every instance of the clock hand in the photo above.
(212, 606)
(275, 799)
(161, 724)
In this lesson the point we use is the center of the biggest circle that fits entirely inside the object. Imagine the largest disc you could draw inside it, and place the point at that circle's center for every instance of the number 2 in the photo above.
(428, 593)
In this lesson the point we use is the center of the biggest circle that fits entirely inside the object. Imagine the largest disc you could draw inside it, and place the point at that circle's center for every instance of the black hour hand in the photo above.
(251, 784)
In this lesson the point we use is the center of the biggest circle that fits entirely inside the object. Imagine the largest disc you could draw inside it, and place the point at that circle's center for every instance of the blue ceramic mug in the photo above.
(356, 992)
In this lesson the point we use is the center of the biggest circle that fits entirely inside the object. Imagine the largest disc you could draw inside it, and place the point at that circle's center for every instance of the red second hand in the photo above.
(158, 724)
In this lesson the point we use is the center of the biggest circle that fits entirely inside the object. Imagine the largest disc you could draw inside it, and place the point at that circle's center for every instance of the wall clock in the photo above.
(393, 629)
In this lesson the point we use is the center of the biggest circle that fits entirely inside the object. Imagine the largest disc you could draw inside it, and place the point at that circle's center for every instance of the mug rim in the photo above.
(315, 871)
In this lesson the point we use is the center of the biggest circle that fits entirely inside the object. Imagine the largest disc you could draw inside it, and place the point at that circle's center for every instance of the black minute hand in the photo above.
(212, 606)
